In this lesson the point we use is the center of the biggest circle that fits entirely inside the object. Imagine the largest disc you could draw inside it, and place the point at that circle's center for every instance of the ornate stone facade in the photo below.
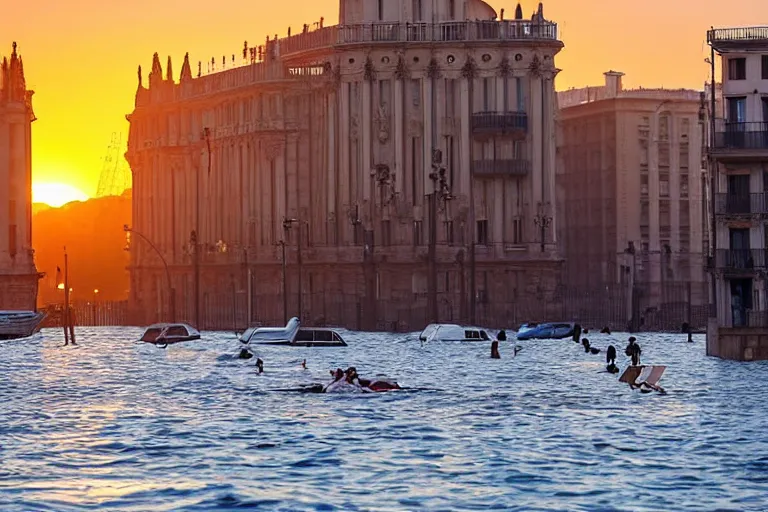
(336, 129)
(18, 276)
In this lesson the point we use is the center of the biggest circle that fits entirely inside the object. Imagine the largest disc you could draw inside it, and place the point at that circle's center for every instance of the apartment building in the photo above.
(739, 158)
(632, 184)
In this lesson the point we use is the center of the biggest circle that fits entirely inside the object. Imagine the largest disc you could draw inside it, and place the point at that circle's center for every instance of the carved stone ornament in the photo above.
(535, 67)
(505, 68)
(369, 73)
(469, 70)
(273, 150)
(354, 128)
(382, 119)
(433, 69)
(415, 128)
(401, 71)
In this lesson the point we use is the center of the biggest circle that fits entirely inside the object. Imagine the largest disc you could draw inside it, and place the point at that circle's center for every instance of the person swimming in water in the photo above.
(495, 350)
(244, 354)
(502, 336)
(633, 350)
(576, 333)
(260, 365)
(610, 358)
(367, 385)
(605, 330)
(588, 348)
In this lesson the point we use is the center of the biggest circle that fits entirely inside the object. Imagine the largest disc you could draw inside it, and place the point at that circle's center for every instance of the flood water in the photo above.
(120, 425)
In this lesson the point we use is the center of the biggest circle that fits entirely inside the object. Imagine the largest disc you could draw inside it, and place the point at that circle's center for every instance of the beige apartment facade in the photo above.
(632, 185)
(375, 158)
(739, 158)
(18, 276)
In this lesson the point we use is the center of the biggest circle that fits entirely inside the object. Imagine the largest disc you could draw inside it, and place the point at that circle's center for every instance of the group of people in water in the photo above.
(632, 350)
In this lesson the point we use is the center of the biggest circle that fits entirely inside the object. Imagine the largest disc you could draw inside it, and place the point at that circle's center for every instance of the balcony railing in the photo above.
(739, 35)
(747, 136)
(500, 168)
(500, 122)
(508, 30)
(741, 259)
(741, 204)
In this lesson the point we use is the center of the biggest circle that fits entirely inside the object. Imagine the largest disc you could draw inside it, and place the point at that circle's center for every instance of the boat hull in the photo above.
(19, 324)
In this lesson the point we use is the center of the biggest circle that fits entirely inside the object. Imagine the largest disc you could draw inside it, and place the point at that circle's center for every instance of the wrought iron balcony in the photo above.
(741, 204)
(491, 123)
(741, 259)
(500, 168)
(740, 37)
(741, 136)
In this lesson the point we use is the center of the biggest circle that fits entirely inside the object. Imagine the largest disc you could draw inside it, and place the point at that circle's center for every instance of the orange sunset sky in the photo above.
(80, 56)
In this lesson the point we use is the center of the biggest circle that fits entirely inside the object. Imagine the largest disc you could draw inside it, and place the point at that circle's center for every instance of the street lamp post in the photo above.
(171, 291)
(441, 191)
(281, 243)
(543, 221)
(286, 227)
(195, 236)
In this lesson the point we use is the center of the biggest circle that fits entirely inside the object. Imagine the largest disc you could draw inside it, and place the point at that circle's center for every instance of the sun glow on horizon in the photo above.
(56, 194)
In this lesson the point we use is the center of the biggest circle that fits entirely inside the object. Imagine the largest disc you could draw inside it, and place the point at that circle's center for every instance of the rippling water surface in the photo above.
(120, 425)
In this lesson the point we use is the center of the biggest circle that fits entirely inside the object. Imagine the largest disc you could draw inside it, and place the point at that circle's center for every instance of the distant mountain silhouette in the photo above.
(92, 232)
(39, 207)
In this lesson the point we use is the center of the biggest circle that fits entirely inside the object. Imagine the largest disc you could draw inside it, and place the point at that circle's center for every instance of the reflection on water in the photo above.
(120, 425)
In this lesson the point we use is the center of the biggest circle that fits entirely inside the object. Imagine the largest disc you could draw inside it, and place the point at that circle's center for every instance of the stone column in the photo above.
(465, 140)
(344, 172)
(654, 272)
(399, 138)
(426, 187)
(536, 131)
(5, 186)
(366, 117)
(332, 164)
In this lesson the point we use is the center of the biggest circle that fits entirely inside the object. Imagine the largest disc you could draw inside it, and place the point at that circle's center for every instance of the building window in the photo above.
(765, 67)
(737, 69)
(450, 97)
(381, 10)
(737, 109)
(644, 184)
(517, 231)
(683, 186)
(12, 249)
(416, 10)
(452, 9)
(416, 91)
(519, 92)
(663, 186)
(482, 232)
(449, 232)
(386, 233)
(486, 94)
(417, 233)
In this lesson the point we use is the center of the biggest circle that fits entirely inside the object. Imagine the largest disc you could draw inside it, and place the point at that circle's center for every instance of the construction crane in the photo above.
(115, 175)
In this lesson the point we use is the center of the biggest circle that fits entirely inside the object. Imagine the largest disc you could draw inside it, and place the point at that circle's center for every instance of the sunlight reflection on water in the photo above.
(120, 425)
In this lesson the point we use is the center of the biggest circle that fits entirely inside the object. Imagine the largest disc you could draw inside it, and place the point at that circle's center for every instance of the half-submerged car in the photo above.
(453, 332)
(546, 331)
(168, 334)
(293, 335)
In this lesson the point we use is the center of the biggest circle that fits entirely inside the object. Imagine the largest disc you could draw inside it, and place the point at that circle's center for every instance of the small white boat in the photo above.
(168, 334)
(453, 332)
(293, 335)
(19, 324)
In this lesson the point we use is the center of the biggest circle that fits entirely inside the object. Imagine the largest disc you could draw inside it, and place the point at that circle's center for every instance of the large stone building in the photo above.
(632, 181)
(18, 276)
(739, 158)
(394, 143)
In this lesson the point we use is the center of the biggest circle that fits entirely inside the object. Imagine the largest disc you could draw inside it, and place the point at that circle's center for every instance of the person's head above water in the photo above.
(610, 354)
(632, 340)
(351, 373)
(502, 336)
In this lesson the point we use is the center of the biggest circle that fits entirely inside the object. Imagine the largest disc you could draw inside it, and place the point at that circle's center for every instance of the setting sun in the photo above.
(56, 194)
